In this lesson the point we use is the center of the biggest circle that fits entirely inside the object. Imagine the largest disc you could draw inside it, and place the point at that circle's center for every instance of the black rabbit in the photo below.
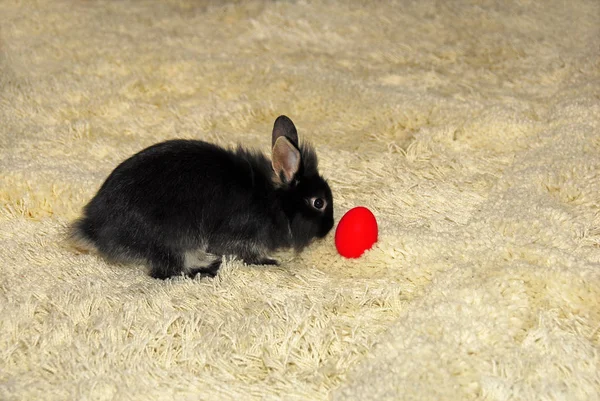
(181, 205)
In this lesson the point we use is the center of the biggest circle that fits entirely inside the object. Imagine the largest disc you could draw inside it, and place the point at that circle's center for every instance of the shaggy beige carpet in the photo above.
(470, 128)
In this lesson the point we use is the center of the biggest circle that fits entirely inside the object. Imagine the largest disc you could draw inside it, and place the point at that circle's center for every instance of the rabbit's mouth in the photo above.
(325, 227)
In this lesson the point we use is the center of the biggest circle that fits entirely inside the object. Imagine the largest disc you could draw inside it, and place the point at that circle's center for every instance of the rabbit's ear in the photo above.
(285, 160)
(284, 127)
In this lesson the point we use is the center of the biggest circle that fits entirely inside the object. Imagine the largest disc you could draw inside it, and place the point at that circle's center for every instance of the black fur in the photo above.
(185, 196)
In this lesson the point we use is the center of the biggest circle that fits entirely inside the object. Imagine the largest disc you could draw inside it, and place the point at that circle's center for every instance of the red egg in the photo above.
(356, 232)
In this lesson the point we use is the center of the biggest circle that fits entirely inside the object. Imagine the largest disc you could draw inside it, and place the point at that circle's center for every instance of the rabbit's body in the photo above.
(182, 204)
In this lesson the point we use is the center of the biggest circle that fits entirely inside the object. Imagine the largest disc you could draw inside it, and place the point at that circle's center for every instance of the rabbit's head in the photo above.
(305, 195)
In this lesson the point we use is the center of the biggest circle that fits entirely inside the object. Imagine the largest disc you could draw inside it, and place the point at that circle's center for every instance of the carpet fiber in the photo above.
(470, 128)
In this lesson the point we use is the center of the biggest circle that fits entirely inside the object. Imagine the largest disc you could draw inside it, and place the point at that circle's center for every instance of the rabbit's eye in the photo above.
(318, 203)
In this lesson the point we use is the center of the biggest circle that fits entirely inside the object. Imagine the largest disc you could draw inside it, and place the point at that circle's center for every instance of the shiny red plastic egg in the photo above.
(356, 232)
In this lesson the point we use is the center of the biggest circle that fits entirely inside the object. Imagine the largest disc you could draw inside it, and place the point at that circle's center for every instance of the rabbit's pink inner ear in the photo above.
(286, 159)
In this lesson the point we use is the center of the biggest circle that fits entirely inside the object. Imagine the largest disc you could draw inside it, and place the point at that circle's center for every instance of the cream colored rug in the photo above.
(470, 128)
